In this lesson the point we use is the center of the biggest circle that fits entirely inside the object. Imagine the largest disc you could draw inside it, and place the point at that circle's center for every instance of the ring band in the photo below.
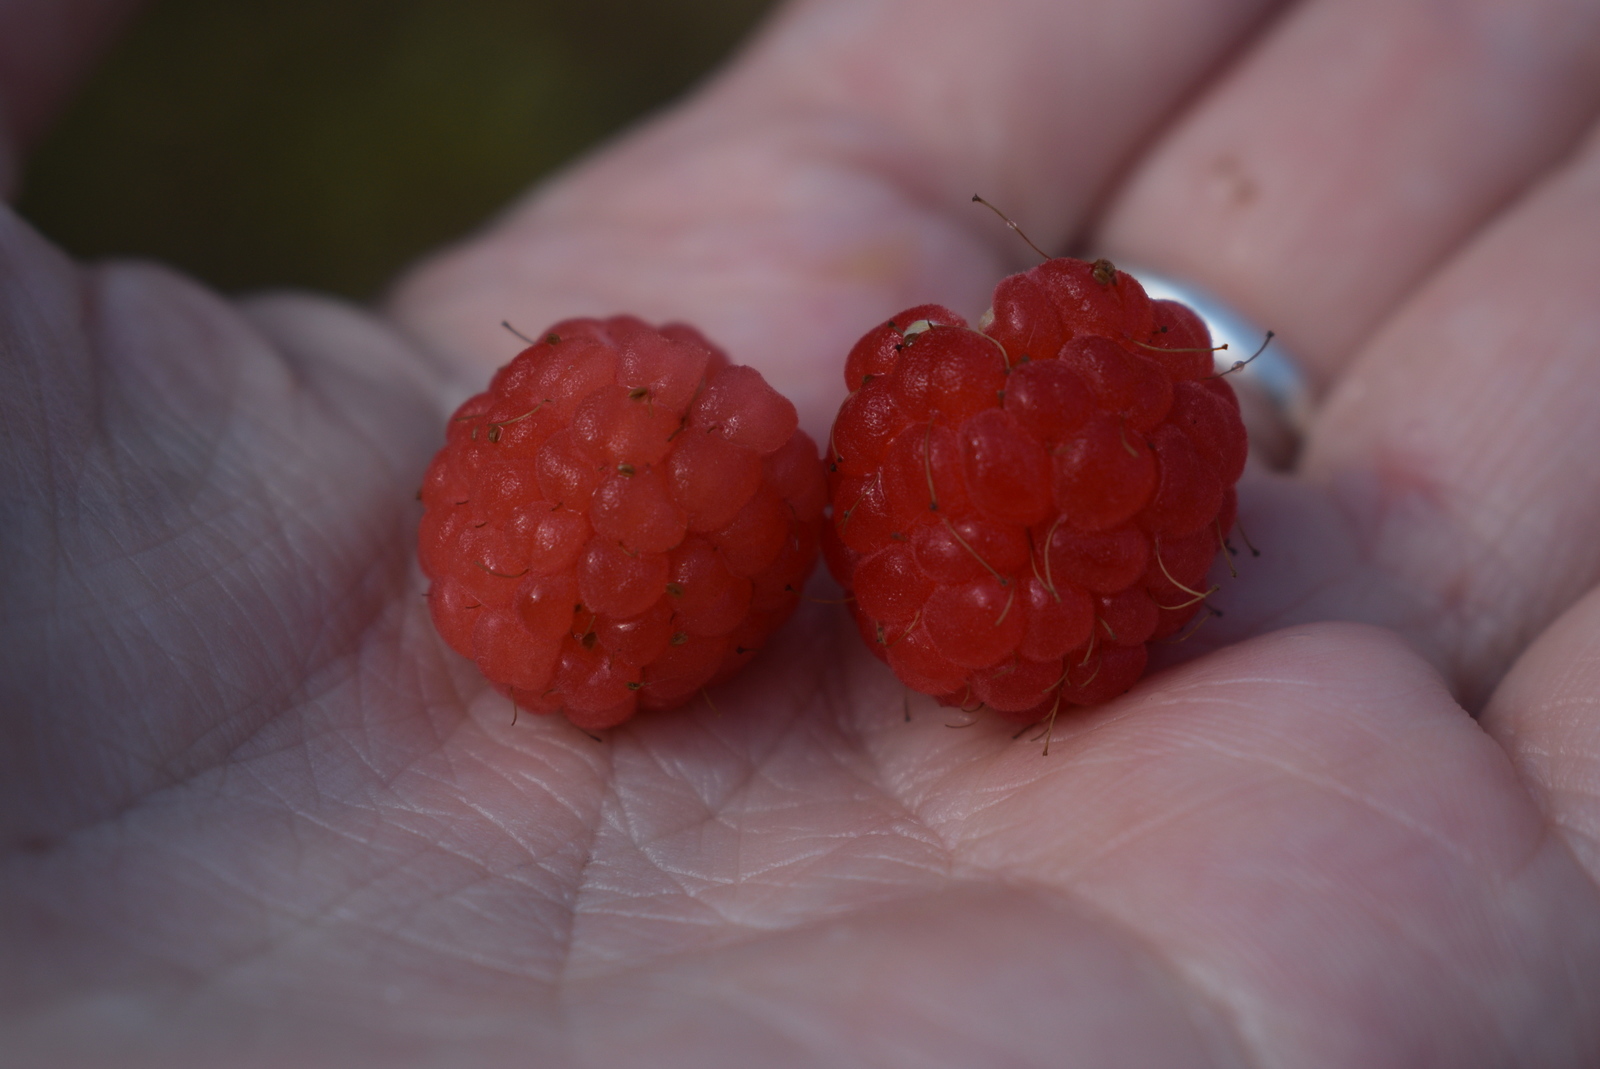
(1274, 375)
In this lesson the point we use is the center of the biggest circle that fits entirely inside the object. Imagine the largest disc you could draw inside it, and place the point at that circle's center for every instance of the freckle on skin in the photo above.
(1230, 182)
(876, 262)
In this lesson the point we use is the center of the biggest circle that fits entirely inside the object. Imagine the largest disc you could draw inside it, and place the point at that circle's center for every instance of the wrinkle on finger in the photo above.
(1546, 714)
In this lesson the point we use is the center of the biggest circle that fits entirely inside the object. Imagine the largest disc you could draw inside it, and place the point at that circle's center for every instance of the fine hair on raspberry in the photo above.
(1019, 508)
(619, 521)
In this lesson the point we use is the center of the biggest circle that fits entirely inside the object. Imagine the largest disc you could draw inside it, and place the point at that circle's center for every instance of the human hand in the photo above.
(256, 813)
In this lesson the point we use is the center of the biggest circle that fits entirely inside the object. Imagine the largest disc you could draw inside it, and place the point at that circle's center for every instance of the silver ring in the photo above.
(1274, 376)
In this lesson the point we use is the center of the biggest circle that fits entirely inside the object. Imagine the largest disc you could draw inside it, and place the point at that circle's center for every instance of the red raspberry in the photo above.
(620, 520)
(1018, 510)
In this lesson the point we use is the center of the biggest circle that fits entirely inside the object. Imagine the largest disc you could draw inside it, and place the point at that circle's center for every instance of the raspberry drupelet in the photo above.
(1019, 508)
(621, 519)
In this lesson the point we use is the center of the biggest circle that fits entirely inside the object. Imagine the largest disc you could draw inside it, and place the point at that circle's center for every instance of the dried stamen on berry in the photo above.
(1122, 432)
(1001, 579)
(1015, 229)
(1238, 525)
(1005, 357)
(1011, 596)
(515, 332)
(1186, 589)
(1227, 550)
(1201, 619)
(1050, 725)
(1198, 597)
(494, 428)
(1182, 349)
(1239, 365)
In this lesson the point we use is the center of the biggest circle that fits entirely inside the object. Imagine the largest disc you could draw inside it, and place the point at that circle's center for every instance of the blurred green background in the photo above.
(326, 143)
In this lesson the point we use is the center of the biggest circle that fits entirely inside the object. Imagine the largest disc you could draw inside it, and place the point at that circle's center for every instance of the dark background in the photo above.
(326, 143)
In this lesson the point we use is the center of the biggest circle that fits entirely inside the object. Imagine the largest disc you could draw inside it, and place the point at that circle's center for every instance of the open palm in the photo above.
(254, 812)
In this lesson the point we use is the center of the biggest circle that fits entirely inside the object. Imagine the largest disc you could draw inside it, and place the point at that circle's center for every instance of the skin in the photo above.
(254, 813)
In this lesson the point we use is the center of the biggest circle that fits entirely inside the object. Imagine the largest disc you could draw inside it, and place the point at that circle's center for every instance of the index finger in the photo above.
(823, 181)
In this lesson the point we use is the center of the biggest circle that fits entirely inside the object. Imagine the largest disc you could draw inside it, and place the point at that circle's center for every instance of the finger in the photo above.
(1460, 447)
(1446, 489)
(824, 181)
(1314, 834)
(1357, 146)
(1546, 713)
(46, 47)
